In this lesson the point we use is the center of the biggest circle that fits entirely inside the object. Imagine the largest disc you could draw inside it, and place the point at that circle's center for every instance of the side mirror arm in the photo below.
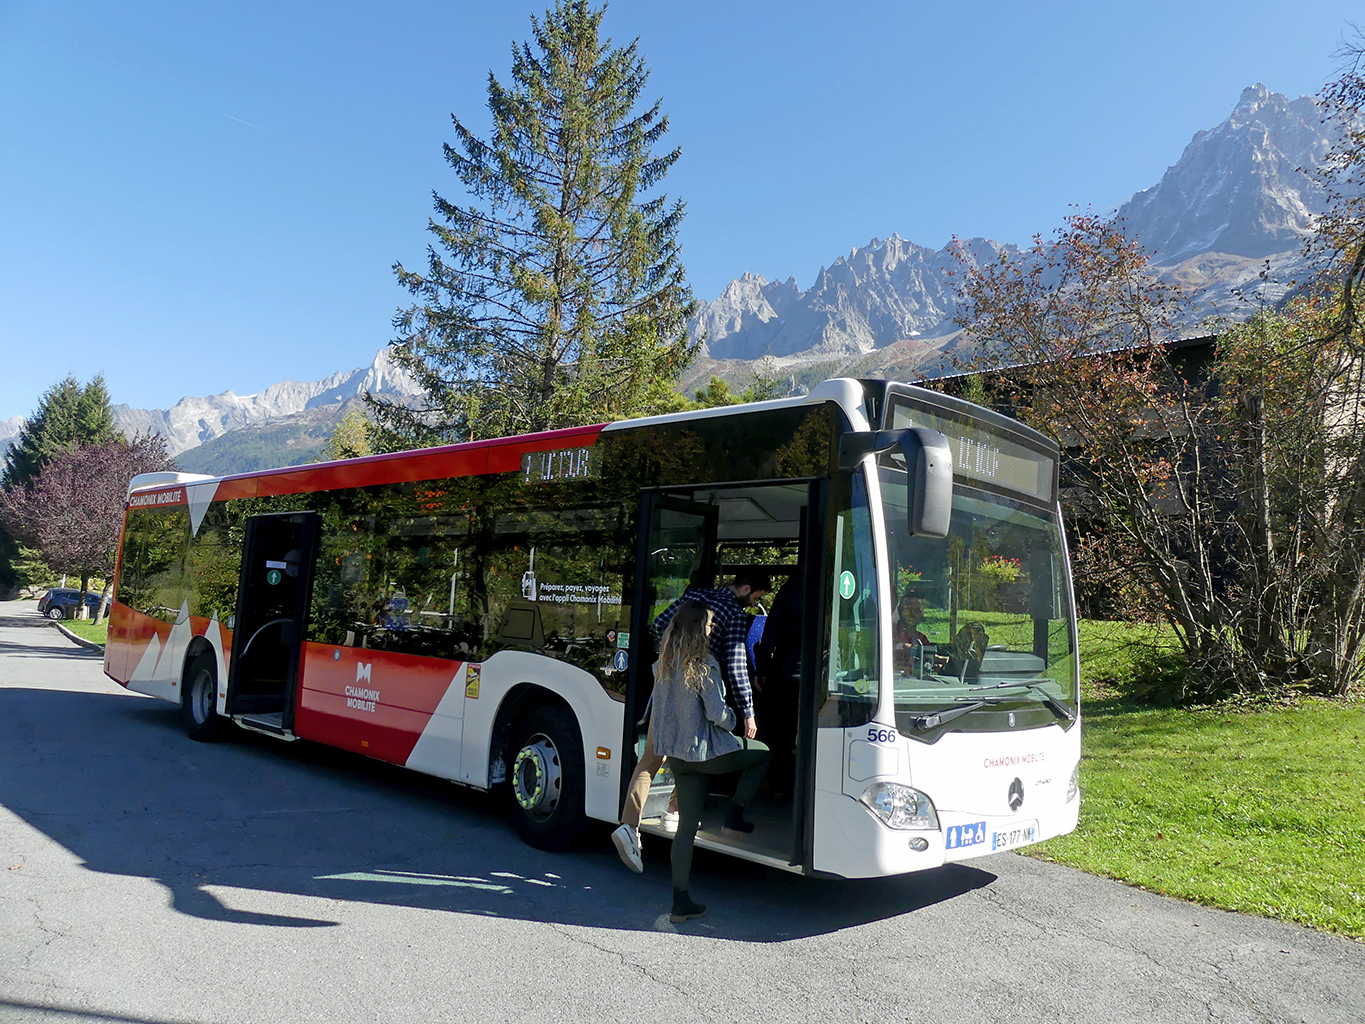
(857, 445)
(929, 472)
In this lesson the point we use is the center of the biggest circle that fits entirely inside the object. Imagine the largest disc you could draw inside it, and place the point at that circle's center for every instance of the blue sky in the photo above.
(204, 197)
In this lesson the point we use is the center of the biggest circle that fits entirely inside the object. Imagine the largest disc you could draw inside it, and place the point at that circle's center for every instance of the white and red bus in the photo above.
(480, 612)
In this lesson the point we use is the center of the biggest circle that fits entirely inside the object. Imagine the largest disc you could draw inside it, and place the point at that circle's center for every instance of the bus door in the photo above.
(272, 611)
(677, 550)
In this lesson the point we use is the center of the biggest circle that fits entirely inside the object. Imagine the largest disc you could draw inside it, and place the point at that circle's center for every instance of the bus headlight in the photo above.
(1073, 785)
(900, 806)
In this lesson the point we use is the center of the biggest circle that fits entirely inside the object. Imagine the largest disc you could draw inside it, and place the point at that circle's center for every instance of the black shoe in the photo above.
(734, 822)
(684, 909)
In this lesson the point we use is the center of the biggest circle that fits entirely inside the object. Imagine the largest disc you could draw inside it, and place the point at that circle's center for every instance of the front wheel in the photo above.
(546, 778)
(54, 612)
(199, 702)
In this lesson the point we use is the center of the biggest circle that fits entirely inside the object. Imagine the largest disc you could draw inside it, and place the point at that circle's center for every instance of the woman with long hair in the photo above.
(691, 726)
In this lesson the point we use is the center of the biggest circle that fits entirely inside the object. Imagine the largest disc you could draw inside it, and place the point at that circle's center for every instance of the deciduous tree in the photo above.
(68, 414)
(1229, 497)
(556, 296)
(72, 510)
(351, 438)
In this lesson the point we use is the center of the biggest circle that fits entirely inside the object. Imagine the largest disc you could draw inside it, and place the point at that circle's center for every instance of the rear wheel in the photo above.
(546, 778)
(199, 701)
(54, 612)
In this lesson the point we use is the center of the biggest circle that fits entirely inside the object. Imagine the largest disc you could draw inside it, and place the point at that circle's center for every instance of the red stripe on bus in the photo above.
(473, 458)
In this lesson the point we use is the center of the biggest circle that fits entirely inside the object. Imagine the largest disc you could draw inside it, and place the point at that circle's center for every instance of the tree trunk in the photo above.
(104, 598)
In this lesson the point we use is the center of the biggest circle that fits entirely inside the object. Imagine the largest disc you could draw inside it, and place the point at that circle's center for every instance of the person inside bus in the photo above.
(778, 661)
(907, 640)
(728, 644)
(691, 727)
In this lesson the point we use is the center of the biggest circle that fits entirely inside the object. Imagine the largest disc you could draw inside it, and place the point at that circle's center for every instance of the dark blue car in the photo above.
(60, 602)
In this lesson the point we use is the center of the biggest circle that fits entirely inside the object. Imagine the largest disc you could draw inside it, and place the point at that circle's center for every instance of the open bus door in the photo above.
(272, 611)
(677, 550)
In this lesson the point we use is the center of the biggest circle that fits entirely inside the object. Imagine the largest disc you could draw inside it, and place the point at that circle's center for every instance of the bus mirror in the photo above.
(929, 482)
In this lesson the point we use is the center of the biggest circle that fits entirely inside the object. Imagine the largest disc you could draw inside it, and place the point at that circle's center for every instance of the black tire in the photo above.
(54, 612)
(546, 779)
(199, 700)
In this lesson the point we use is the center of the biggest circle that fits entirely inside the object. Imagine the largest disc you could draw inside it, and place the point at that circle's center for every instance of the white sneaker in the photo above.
(668, 821)
(627, 843)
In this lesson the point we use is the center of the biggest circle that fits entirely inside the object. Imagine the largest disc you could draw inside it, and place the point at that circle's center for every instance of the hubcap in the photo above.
(201, 696)
(536, 779)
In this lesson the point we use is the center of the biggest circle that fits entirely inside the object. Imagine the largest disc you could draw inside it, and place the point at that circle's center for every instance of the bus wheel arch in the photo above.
(199, 694)
(545, 772)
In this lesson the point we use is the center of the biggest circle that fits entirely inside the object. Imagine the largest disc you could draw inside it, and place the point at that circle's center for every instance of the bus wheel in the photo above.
(547, 778)
(199, 702)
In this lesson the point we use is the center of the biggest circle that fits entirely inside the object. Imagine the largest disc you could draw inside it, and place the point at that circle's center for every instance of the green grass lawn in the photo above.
(1258, 809)
(86, 631)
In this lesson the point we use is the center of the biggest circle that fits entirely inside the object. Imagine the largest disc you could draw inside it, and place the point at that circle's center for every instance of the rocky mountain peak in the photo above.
(886, 291)
(192, 421)
(1239, 188)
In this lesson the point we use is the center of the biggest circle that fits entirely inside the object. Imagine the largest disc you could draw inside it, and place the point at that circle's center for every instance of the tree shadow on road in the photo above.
(112, 778)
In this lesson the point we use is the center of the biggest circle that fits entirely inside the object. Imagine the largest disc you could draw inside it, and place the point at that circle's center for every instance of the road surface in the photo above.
(146, 878)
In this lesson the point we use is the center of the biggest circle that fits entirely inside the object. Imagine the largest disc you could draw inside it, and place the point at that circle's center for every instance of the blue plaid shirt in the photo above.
(728, 641)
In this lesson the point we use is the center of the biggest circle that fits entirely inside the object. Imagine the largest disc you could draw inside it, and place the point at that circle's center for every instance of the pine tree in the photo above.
(558, 297)
(68, 416)
(94, 417)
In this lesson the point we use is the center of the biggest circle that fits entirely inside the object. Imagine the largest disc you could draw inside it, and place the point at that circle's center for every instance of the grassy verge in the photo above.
(1256, 809)
(84, 629)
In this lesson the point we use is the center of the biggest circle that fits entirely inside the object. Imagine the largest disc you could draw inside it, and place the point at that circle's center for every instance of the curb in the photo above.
(81, 641)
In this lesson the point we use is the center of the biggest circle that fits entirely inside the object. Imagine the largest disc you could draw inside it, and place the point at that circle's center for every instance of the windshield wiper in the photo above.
(1053, 704)
(932, 721)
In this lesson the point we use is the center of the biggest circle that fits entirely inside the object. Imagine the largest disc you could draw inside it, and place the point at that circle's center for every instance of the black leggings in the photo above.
(691, 780)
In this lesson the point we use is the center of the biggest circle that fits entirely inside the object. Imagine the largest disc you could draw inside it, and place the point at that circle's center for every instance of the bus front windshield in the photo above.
(982, 615)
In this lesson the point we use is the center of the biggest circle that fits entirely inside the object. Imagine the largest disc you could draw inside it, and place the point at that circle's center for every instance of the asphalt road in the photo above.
(147, 878)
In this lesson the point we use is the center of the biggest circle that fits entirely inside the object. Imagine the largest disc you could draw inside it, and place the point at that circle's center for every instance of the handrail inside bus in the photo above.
(272, 622)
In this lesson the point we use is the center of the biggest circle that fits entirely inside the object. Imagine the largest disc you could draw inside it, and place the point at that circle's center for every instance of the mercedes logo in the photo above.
(1016, 795)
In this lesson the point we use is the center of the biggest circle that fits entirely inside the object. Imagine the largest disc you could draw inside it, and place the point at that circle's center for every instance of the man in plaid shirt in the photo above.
(729, 636)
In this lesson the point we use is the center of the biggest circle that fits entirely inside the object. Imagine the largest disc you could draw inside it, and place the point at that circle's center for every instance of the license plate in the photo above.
(1015, 835)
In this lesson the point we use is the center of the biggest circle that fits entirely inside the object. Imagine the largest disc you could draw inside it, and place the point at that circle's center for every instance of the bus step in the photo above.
(270, 723)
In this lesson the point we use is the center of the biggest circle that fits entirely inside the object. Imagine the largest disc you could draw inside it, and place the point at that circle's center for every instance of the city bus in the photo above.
(482, 613)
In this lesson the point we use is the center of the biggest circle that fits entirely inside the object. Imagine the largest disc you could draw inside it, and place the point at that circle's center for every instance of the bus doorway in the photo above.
(707, 537)
(272, 610)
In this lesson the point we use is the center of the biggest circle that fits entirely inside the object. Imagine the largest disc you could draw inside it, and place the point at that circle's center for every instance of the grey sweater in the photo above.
(690, 725)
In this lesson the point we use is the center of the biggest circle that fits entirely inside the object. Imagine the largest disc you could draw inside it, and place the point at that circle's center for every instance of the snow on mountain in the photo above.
(1238, 201)
(1235, 206)
(9, 433)
(192, 421)
(1240, 188)
(887, 291)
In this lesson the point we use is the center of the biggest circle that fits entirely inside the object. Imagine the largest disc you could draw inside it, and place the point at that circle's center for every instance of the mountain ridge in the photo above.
(1237, 197)
(193, 421)
(1226, 222)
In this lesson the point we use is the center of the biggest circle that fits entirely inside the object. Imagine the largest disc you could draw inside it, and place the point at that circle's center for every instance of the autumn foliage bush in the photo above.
(1225, 498)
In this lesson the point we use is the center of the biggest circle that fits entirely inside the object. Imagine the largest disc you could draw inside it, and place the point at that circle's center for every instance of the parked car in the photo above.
(60, 602)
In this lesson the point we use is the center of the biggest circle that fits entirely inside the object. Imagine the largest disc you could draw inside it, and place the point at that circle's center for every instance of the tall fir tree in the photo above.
(68, 415)
(557, 297)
